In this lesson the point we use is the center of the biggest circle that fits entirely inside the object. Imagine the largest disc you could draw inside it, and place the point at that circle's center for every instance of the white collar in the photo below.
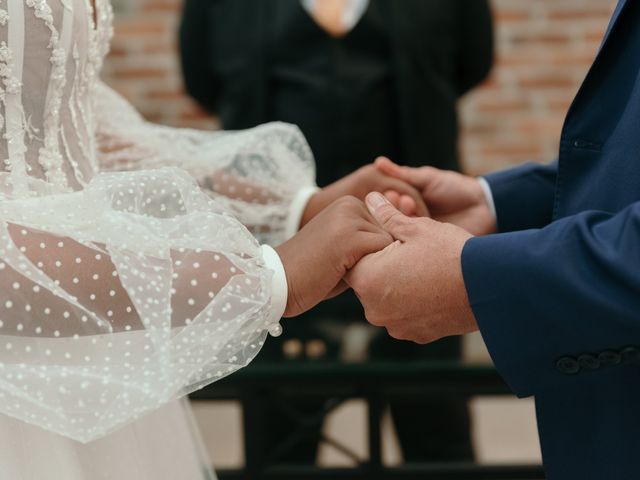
(353, 12)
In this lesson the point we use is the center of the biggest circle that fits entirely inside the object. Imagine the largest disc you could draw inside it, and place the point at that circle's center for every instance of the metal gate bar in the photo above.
(373, 382)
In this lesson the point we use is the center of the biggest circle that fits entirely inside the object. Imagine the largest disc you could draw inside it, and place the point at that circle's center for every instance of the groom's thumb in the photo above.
(388, 216)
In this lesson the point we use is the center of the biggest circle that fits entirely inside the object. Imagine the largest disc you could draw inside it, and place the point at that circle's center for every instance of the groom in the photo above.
(551, 277)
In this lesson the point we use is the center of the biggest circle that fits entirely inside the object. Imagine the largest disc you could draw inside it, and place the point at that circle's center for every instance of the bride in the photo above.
(128, 273)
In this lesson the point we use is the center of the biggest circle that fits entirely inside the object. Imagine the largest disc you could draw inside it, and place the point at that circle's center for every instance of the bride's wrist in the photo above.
(302, 209)
(314, 206)
(275, 261)
(283, 251)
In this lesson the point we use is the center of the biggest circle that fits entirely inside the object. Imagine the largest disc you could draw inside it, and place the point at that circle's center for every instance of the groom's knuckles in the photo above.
(375, 315)
(395, 332)
(374, 319)
(405, 330)
(396, 325)
(378, 310)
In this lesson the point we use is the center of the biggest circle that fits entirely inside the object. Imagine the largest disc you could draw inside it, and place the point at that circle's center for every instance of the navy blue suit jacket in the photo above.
(557, 292)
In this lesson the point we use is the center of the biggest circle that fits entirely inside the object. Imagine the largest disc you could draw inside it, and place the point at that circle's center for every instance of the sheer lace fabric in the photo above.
(125, 281)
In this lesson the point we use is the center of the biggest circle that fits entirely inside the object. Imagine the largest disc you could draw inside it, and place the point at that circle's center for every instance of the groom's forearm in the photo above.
(559, 301)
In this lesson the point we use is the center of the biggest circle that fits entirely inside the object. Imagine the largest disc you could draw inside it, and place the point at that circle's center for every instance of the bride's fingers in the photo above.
(393, 197)
(407, 205)
(405, 190)
(423, 178)
(387, 167)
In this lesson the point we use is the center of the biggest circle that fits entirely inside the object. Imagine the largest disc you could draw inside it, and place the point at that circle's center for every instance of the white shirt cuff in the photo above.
(488, 196)
(279, 290)
(353, 11)
(297, 208)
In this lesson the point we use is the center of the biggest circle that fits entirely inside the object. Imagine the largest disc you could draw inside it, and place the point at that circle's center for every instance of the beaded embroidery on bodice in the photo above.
(48, 144)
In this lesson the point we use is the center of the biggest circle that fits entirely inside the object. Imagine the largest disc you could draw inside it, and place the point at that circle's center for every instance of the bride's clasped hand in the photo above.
(325, 249)
(406, 197)
(336, 231)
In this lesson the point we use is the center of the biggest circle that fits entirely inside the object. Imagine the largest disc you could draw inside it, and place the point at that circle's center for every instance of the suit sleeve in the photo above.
(524, 196)
(200, 82)
(474, 52)
(543, 296)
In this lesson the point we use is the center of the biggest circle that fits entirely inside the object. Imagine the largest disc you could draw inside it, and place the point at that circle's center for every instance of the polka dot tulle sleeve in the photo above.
(130, 267)
(119, 298)
(256, 174)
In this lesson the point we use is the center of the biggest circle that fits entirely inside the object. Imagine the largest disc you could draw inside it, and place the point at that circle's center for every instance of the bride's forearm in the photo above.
(87, 273)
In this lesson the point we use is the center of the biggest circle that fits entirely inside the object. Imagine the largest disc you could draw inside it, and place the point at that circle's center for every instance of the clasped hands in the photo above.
(402, 259)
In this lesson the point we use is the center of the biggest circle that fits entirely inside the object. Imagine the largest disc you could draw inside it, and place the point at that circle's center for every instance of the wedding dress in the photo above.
(127, 276)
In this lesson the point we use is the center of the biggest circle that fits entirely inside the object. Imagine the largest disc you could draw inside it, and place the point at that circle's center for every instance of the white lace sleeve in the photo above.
(119, 298)
(121, 291)
(264, 176)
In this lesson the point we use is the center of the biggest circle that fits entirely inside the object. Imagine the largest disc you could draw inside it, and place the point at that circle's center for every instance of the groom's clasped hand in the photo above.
(402, 260)
(336, 231)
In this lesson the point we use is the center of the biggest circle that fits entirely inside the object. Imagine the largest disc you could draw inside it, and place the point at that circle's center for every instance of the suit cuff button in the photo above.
(588, 362)
(609, 358)
(568, 365)
(630, 354)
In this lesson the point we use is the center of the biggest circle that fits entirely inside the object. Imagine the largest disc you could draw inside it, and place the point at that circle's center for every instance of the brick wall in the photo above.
(544, 48)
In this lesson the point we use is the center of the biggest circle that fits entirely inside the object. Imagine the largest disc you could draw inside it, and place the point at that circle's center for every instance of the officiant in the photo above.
(361, 78)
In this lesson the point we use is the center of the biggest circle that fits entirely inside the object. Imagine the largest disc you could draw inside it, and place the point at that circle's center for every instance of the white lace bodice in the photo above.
(50, 55)
(126, 279)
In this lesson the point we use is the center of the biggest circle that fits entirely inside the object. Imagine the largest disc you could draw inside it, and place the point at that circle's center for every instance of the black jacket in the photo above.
(441, 49)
